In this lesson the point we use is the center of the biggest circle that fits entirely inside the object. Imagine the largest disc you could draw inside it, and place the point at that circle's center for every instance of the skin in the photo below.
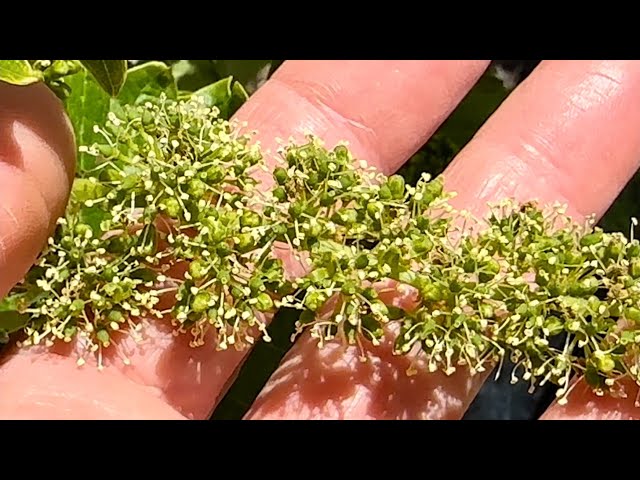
(569, 133)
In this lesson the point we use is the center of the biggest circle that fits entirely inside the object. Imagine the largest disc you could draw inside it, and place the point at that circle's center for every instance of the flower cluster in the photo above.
(166, 213)
(172, 224)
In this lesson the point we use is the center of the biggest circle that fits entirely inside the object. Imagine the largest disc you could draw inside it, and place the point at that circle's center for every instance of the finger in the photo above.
(37, 159)
(330, 99)
(607, 177)
(385, 109)
(48, 386)
(584, 404)
(568, 133)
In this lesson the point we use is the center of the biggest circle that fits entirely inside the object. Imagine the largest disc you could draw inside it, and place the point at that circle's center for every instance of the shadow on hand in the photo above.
(333, 383)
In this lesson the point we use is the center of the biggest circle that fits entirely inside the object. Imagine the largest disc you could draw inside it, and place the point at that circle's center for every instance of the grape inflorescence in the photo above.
(172, 224)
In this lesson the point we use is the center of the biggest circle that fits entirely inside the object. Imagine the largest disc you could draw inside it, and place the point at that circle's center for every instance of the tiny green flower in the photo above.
(103, 337)
(171, 206)
(264, 302)
(201, 302)
(281, 176)
(198, 269)
(315, 300)
(396, 187)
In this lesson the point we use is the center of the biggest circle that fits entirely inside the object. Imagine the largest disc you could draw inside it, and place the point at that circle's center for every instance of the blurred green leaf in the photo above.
(11, 302)
(87, 105)
(226, 94)
(148, 80)
(10, 322)
(110, 74)
(432, 158)
(18, 72)
(238, 96)
(93, 216)
(20, 299)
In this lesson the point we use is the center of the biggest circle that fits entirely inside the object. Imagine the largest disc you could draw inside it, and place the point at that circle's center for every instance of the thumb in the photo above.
(37, 160)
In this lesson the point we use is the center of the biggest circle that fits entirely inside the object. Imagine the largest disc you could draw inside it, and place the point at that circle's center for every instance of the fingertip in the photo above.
(37, 137)
(568, 134)
(37, 167)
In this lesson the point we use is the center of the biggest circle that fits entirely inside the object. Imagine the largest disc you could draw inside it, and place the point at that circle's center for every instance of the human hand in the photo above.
(540, 144)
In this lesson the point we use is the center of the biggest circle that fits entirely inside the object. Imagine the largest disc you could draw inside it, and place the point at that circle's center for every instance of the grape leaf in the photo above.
(226, 94)
(110, 74)
(11, 302)
(93, 216)
(19, 299)
(18, 72)
(147, 80)
(11, 321)
(87, 105)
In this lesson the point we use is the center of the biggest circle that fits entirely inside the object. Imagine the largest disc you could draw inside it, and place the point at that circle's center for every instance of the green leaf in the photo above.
(11, 302)
(225, 94)
(87, 105)
(93, 216)
(18, 72)
(432, 158)
(18, 301)
(148, 80)
(238, 96)
(110, 74)
(12, 321)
